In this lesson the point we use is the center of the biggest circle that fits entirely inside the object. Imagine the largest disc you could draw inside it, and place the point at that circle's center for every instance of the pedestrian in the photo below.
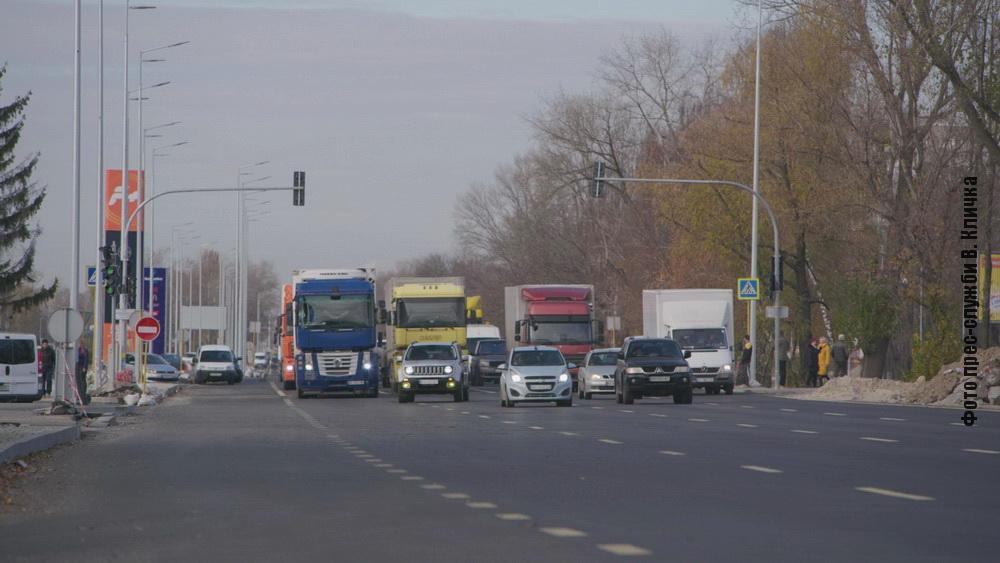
(48, 357)
(783, 348)
(840, 355)
(745, 356)
(812, 363)
(824, 360)
(82, 364)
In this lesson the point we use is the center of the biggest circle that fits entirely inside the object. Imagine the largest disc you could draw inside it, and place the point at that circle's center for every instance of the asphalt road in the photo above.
(247, 473)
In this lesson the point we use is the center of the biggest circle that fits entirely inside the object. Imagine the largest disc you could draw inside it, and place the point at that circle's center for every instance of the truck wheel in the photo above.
(302, 394)
(374, 393)
(465, 394)
(683, 397)
(728, 388)
(627, 397)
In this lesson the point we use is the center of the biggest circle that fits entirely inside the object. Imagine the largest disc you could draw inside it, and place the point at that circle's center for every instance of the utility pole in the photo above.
(752, 373)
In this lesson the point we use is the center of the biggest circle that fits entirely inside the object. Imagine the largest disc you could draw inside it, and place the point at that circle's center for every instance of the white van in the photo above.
(20, 374)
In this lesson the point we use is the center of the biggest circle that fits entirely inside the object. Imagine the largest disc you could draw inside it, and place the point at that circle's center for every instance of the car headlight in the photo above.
(367, 365)
(727, 367)
(408, 370)
(682, 369)
(516, 378)
(309, 367)
(289, 368)
(633, 371)
(563, 377)
(595, 377)
(448, 369)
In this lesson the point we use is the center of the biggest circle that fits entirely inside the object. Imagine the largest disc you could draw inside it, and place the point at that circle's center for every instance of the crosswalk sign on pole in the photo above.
(91, 276)
(748, 289)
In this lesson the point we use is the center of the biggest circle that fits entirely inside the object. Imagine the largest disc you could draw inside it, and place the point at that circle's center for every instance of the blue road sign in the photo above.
(91, 276)
(749, 289)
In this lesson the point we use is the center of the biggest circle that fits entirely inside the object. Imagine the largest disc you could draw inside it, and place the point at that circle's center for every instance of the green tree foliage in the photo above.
(20, 200)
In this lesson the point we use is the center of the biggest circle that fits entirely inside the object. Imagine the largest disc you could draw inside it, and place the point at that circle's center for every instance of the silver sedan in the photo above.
(597, 374)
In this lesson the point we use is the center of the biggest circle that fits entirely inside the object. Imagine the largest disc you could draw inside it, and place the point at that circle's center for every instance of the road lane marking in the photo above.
(383, 465)
(363, 455)
(956, 424)
(449, 408)
(747, 407)
(569, 433)
(874, 439)
(893, 419)
(411, 478)
(624, 410)
(796, 430)
(455, 495)
(465, 412)
(624, 549)
(480, 505)
(396, 470)
(608, 441)
(288, 401)
(761, 468)
(657, 414)
(509, 421)
(536, 428)
(741, 425)
(789, 410)
(433, 487)
(597, 408)
(835, 414)
(373, 460)
(276, 390)
(485, 391)
(891, 493)
(979, 451)
(512, 516)
(484, 416)
(699, 420)
(713, 404)
(563, 532)
(671, 452)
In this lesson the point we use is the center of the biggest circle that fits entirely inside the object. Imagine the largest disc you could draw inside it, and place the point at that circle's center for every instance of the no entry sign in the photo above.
(148, 328)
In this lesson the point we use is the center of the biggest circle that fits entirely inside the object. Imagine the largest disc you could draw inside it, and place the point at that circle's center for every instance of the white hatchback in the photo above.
(536, 374)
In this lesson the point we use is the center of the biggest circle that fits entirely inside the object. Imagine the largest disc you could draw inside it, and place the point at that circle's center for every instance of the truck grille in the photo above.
(428, 370)
(337, 363)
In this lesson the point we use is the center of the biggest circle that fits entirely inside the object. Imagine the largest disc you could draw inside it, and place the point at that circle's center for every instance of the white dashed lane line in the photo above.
(480, 505)
(609, 441)
(624, 549)
(955, 424)
(798, 431)
(891, 419)
(411, 478)
(979, 451)
(395, 470)
(699, 420)
(484, 416)
(383, 465)
(672, 452)
(624, 410)
(741, 425)
(509, 421)
(747, 407)
(512, 516)
(597, 408)
(760, 469)
(536, 428)
(433, 487)
(789, 410)
(455, 495)
(893, 494)
(563, 532)
(835, 414)
(657, 415)
(874, 439)
(564, 433)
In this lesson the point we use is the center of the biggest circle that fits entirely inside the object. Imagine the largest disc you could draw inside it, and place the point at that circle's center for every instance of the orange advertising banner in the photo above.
(113, 199)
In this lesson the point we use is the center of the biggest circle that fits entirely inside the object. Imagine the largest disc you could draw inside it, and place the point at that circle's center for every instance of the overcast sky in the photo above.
(392, 107)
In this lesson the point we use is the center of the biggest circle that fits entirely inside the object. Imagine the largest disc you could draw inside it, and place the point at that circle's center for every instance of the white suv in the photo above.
(20, 374)
(217, 363)
(432, 368)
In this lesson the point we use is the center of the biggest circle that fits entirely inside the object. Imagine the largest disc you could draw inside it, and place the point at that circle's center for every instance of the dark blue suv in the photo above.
(655, 367)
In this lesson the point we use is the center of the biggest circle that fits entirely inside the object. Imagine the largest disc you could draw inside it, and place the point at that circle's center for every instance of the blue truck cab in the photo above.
(335, 320)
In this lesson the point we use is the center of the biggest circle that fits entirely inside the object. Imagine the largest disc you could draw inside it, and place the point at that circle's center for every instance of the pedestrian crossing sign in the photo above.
(749, 289)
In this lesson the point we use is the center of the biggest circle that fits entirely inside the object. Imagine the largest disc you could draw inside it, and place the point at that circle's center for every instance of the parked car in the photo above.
(432, 368)
(159, 369)
(20, 368)
(652, 367)
(536, 374)
(597, 375)
(217, 363)
(485, 359)
(174, 360)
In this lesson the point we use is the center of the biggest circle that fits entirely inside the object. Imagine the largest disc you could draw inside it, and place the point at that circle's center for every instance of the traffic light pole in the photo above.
(599, 179)
(298, 189)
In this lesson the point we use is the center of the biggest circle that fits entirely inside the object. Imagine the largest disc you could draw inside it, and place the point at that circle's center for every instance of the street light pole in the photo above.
(752, 379)
(774, 224)
(98, 352)
(240, 292)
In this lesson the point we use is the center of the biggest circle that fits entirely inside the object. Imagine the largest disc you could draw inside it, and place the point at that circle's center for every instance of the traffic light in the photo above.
(298, 188)
(777, 278)
(110, 269)
(598, 185)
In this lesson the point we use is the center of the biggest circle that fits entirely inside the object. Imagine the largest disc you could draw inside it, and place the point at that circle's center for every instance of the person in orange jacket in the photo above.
(824, 360)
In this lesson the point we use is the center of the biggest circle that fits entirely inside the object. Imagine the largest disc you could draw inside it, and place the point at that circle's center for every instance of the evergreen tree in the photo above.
(20, 200)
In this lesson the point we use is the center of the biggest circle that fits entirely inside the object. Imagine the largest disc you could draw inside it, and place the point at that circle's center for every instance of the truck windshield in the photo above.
(560, 333)
(537, 358)
(492, 347)
(345, 312)
(701, 338)
(418, 353)
(431, 312)
(654, 349)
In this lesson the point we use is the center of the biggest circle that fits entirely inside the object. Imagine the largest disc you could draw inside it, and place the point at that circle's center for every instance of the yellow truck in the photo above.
(422, 310)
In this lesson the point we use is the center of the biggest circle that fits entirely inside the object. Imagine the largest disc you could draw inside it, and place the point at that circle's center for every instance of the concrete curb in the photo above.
(40, 442)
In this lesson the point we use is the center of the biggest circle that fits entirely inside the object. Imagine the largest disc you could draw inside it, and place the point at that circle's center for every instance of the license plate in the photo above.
(428, 382)
(706, 379)
(659, 378)
(356, 382)
(3, 386)
(215, 375)
(538, 387)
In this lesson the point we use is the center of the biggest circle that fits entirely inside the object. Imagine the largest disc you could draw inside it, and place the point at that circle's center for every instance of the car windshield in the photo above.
(216, 356)
(15, 352)
(492, 347)
(420, 353)
(560, 333)
(537, 358)
(426, 313)
(654, 349)
(156, 359)
(332, 313)
(603, 359)
(701, 338)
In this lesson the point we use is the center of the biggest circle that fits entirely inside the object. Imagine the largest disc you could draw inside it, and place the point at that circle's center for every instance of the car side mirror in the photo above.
(466, 358)
(239, 358)
(687, 354)
(502, 367)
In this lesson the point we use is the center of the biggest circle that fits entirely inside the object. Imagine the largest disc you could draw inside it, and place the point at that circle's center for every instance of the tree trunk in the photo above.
(874, 362)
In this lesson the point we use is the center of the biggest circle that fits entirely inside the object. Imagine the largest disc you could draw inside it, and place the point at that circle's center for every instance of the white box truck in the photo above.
(701, 321)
